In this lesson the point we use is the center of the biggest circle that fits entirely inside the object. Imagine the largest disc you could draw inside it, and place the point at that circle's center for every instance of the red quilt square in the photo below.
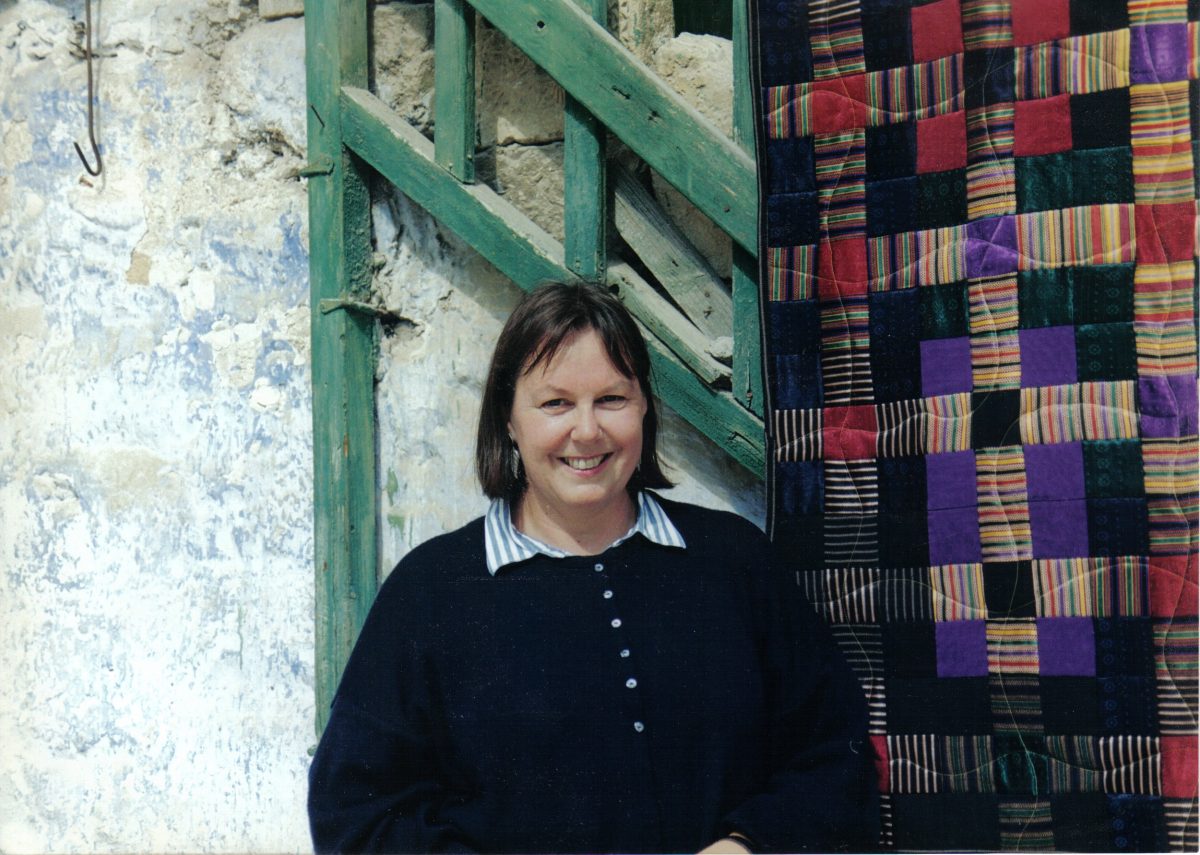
(936, 30)
(879, 743)
(842, 268)
(942, 142)
(1165, 232)
(1040, 21)
(849, 433)
(1179, 767)
(1174, 585)
(1042, 126)
(839, 104)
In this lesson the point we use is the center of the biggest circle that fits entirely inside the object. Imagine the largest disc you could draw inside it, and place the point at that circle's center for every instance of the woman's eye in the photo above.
(613, 400)
(554, 404)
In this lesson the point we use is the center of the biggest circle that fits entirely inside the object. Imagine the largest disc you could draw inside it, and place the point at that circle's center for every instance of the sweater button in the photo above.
(625, 653)
(631, 683)
(598, 567)
(638, 726)
(608, 595)
(616, 622)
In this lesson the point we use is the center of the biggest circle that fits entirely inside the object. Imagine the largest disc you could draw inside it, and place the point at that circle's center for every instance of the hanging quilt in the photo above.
(978, 262)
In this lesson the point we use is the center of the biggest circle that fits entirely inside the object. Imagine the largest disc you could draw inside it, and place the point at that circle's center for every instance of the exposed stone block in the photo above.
(518, 102)
(403, 56)
(271, 9)
(531, 177)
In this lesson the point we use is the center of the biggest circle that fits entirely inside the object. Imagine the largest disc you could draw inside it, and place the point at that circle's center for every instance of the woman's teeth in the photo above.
(584, 462)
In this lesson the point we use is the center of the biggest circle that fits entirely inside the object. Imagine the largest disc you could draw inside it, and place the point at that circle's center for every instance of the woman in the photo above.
(589, 667)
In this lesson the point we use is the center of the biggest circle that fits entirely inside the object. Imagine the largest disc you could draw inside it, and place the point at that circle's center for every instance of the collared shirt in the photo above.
(506, 545)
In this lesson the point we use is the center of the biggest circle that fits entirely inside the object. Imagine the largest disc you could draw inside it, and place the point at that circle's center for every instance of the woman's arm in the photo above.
(374, 783)
(821, 796)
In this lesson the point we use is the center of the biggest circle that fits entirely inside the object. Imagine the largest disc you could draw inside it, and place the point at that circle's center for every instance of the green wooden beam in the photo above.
(617, 88)
(343, 358)
(524, 253)
(679, 267)
(747, 315)
(585, 213)
(665, 322)
(454, 87)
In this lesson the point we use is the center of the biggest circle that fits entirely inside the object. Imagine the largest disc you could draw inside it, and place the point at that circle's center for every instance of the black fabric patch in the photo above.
(1127, 706)
(1008, 589)
(1098, 16)
(895, 344)
(955, 822)
(1124, 647)
(1102, 294)
(887, 37)
(790, 165)
(1070, 706)
(995, 418)
(989, 76)
(1117, 527)
(783, 44)
(892, 206)
(792, 219)
(892, 150)
(909, 650)
(1100, 119)
(953, 706)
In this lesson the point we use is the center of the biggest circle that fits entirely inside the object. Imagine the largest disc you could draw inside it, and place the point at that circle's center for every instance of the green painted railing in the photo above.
(608, 90)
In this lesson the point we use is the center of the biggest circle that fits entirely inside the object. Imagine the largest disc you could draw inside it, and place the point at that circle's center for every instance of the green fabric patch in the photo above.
(1043, 182)
(1102, 295)
(1101, 175)
(943, 310)
(1044, 298)
(1105, 352)
(1112, 469)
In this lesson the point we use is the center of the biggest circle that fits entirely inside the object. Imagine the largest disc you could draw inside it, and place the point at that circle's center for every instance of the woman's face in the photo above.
(577, 422)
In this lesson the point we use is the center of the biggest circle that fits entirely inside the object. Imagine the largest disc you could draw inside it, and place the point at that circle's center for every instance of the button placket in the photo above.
(631, 682)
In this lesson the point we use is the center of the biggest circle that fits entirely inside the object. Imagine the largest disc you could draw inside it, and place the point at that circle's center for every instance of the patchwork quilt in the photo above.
(978, 243)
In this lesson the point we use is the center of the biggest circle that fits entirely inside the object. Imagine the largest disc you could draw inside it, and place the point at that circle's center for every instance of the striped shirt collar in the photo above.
(506, 545)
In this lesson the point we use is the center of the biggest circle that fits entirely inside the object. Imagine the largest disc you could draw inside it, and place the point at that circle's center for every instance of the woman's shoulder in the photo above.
(699, 524)
(441, 559)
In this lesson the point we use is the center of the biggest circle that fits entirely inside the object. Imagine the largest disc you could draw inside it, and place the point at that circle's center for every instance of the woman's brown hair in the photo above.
(543, 322)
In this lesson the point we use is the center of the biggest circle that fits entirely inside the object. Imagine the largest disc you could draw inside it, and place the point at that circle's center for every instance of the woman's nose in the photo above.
(586, 425)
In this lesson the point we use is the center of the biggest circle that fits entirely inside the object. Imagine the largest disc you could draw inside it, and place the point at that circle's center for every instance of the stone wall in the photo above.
(155, 422)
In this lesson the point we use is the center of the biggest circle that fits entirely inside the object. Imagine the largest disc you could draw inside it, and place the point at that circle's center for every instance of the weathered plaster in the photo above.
(155, 520)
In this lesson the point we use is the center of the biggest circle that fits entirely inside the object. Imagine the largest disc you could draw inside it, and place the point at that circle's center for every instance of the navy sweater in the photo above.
(647, 699)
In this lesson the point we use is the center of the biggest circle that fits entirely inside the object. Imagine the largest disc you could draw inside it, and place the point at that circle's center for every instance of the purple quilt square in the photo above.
(954, 536)
(1158, 53)
(950, 480)
(1054, 472)
(1059, 529)
(962, 648)
(992, 246)
(945, 366)
(1167, 405)
(1047, 356)
(1066, 647)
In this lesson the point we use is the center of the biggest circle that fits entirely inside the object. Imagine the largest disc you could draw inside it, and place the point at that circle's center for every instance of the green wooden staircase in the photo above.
(691, 318)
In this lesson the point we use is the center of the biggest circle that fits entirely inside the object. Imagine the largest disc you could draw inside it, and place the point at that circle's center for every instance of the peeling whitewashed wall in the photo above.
(156, 633)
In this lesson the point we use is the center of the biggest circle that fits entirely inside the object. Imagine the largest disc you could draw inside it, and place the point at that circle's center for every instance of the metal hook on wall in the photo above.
(91, 99)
